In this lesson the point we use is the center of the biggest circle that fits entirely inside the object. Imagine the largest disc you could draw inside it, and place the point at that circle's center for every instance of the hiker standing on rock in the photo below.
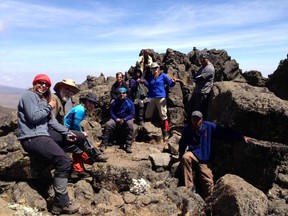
(34, 119)
(198, 136)
(203, 79)
(138, 92)
(122, 114)
(144, 62)
(157, 96)
(72, 120)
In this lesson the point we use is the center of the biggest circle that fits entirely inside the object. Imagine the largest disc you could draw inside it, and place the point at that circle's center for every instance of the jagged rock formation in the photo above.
(144, 183)
(255, 78)
(277, 81)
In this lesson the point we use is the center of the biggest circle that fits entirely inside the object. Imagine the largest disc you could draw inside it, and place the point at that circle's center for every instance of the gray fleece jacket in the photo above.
(34, 117)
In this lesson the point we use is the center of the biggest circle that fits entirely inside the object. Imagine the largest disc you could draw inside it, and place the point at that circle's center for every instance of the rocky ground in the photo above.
(140, 183)
(111, 196)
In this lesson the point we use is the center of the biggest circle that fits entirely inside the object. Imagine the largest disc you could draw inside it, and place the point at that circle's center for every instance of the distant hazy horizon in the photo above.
(73, 39)
(9, 96)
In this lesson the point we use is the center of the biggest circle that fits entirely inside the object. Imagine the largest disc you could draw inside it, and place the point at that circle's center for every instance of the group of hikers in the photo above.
(47, 131)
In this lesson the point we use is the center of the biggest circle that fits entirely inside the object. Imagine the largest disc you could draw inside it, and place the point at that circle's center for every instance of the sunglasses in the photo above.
(122, 93)
(69, 91)
(43, 83)
(91, 102)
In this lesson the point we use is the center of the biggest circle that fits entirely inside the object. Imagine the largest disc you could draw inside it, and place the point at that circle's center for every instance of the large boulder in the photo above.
(254, 111)
(233, 196)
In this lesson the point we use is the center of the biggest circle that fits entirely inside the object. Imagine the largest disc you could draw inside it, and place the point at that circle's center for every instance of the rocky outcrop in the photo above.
(255, 78)
(277, 82)
(144, 183)
(251, 110)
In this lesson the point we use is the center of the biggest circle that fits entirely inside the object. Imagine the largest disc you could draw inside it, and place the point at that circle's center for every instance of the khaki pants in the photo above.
(157, 103)
(205, 172)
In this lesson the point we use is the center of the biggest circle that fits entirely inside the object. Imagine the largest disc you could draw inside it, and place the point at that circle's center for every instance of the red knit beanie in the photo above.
(42, 77)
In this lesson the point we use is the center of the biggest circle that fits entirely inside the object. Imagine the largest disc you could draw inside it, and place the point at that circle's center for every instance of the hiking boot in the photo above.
(101, 158)
(122, 146)
(193, 189)
(78, 175)
(69, 209)
(102, 147)
(128, 149)
(166, 136)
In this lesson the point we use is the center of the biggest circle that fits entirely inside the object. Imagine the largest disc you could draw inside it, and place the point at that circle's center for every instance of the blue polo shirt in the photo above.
(200, 142)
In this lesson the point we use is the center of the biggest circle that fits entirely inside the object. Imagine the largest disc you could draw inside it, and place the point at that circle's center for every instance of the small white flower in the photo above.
(139, 186)
(22, 210)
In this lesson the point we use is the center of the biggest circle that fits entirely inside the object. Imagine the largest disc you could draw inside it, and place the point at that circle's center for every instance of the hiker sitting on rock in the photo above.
(73, 120)
(122, 114)
(34, 120)
(198, 136)
(64, 90)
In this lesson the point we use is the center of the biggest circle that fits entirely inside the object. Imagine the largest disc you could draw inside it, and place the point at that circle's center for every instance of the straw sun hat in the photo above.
(68, 82)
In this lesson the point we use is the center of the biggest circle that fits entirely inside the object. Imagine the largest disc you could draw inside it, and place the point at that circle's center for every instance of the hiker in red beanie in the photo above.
(43, 78)
(34, 120)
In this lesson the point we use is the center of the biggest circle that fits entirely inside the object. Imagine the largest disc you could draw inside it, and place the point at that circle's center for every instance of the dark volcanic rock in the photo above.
(277, 82)
(255, 78)
(234, 196)
(254, 111)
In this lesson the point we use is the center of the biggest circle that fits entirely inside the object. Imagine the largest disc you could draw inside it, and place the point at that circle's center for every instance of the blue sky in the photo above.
(76, 38)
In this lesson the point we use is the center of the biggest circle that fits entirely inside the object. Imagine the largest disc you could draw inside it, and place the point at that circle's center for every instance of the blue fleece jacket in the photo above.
(74, 117)
(200, 142)
(123, 109)
(156, 88)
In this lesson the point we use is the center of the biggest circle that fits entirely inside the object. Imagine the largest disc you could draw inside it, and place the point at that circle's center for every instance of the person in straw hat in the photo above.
(64, 90)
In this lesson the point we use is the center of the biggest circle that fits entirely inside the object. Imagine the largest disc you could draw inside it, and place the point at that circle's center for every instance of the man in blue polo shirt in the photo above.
(198, 136)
